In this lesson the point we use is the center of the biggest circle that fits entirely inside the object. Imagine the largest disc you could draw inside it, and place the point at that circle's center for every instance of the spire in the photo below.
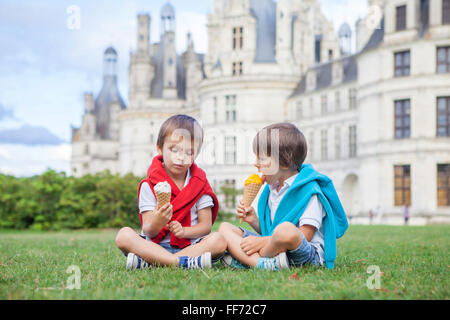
(108, 94)
(167, 18)
(110, 62)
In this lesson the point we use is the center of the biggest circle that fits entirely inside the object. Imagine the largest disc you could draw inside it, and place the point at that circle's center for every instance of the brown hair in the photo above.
(188, 126)
(289, 148)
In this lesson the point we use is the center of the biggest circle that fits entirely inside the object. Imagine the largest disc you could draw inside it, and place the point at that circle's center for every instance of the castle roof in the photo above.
(324, 74)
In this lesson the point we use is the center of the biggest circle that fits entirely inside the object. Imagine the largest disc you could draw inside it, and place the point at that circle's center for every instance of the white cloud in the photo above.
(20, 160)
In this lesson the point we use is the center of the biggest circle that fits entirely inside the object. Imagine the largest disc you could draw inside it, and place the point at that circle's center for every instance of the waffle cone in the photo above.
(162, 198)
(250, 192)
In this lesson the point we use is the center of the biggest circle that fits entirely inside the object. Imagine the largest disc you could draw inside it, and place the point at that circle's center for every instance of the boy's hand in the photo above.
(177, 229)
(164, 214)
(252, 244)
(246, 214)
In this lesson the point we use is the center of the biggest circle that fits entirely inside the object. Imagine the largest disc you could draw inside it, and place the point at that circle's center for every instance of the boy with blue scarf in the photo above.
(299, 214)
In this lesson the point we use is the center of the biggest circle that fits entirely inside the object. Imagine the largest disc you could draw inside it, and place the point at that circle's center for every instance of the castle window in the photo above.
(237, 68)
(317, 47)
(402, 185)
(352, 99)
(230, 150)
(443, 185)
(443, 117)
(311, 107)
(238, 38)
(352, 141)
(445, 11)
(424, 15)
(402, 63)
(401, 18)
(443, 59)
(215, 109)
(337, 101)
(324, 144)
(230, 111)
(402, 119)
(324, 104)
(337, 143)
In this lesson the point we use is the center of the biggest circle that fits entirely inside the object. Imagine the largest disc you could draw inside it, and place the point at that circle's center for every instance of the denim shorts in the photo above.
(168, 247)
(304, 254)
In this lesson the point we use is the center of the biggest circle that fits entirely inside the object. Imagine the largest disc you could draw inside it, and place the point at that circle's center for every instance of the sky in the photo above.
(49, 59)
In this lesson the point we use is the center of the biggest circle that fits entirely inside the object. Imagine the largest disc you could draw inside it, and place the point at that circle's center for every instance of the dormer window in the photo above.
(311, 80)
(337, 72)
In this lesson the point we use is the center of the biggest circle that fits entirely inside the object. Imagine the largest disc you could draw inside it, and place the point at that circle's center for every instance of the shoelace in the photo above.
(193, 262)
(270, 264)
(141, 263)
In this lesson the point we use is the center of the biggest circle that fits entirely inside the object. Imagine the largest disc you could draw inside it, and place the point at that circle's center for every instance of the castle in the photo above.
(377, 121)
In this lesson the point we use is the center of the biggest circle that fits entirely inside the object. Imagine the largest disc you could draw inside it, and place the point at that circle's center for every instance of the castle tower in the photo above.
(108, 94)
(169, 52)
(88, 122)
(143, 34)
(141, 70)
(193, 71)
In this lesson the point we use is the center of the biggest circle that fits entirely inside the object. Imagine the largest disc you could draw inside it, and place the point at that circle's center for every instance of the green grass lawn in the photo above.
(414, 263)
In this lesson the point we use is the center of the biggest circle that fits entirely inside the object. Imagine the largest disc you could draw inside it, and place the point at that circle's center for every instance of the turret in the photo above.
(141, 71)
(169, 52)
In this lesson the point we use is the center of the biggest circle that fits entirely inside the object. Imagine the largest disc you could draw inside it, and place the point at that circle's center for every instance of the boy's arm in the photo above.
(154, 221)
(248, 215)
(254, 223)
(308, 231)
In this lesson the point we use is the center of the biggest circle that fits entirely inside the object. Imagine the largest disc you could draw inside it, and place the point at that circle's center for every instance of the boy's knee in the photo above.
(224, 227)
(217, 242)
(287, 234)
(123, 237)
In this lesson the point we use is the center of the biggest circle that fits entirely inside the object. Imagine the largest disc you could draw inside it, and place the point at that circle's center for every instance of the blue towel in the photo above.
(308, 183)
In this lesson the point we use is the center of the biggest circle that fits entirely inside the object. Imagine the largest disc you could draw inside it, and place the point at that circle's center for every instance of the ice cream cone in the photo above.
(163, 193)
(251, 189)
(250, 192)
(162, 198)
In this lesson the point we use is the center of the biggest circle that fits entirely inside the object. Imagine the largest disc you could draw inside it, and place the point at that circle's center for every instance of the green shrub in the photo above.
(54, 201)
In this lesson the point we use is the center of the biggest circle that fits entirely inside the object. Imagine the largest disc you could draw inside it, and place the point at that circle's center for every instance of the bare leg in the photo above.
(214, 243)
(233, 236)
(128, 240)
(286, 237)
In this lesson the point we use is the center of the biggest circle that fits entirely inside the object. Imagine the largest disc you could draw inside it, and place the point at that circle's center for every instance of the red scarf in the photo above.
(182, 201)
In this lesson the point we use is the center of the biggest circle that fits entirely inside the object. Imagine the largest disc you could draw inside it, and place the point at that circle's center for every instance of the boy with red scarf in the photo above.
(178, 233)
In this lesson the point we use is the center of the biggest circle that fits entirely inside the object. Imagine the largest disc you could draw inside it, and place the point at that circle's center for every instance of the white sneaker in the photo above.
(136, 262)
(200, 262)
(276, 263)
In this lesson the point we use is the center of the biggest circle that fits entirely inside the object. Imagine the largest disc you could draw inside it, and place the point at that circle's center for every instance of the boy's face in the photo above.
(178, 154)
(269, 167)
